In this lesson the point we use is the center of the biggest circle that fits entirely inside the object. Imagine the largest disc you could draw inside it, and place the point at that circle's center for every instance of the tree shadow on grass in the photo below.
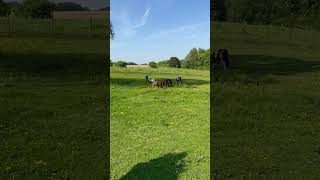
(260, 65)
(168, 167)
(54, 65)
(255, 69)
(135, 82)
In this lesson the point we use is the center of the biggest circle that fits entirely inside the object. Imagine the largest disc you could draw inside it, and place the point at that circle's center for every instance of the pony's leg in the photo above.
(224, 65)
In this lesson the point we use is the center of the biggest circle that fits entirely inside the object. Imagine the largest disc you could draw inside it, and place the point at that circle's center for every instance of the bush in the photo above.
(163, 63)
(120, 64)
(174, 62)
(153, 64)
(131, 63)
(70, 6)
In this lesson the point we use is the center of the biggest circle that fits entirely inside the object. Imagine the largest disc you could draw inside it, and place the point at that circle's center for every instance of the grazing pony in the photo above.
(156, 83)
(147, 78)
(159, 83)
(167, 82)
(179, 80)
(221, 56)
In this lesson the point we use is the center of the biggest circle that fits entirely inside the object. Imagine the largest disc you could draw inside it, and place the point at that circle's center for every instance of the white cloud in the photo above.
(143, 19)
(128, 26)
(189, 31)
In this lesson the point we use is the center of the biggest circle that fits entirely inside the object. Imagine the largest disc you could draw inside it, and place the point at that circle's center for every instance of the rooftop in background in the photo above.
(139, 66)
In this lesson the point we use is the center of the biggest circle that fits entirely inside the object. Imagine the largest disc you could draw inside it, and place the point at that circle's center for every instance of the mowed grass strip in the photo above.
(159, 133)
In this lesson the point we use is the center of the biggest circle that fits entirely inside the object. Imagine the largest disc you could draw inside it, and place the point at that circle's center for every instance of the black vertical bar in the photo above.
(108, 60)
(211, 94)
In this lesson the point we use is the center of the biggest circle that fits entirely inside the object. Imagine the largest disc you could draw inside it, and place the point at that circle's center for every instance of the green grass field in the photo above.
(53, 108)
(267, 106)
(159, 133)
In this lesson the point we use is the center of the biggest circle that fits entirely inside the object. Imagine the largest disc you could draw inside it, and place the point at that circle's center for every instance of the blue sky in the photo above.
(149, 30)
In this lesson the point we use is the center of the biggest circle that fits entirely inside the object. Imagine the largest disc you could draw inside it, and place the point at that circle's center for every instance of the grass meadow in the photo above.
(52, 107)
(159, 133)
(266, 115)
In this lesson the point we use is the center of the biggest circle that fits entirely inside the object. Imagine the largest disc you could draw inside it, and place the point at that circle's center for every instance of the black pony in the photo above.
(179, 80)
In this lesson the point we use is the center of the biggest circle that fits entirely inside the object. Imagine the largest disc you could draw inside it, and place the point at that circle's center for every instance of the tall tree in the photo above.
(191, 59)
(174, 62)
(4, 9)
(36, 9)
(204, 58)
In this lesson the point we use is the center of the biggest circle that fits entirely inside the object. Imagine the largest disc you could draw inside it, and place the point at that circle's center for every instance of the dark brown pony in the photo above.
(165, 82)
(168, 82)
(221, 56)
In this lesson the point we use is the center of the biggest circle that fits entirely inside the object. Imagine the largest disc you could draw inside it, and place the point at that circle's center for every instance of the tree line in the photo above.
(195, 59)
(38, 8)
(287, 12)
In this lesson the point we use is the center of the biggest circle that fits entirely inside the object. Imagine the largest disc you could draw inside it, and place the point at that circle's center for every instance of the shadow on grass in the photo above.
(168, 167)
(258, 69)
(134, 82)
(260, 65)
(54, 65)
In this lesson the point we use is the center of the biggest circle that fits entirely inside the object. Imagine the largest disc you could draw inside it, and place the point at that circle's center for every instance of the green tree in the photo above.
(174, 62)
(163, 63)
(191, 60)
(4, 9)
(267, 11)
(70, 6)
(153, 64)
(120, 64)
(204, 58)
(36, 9)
